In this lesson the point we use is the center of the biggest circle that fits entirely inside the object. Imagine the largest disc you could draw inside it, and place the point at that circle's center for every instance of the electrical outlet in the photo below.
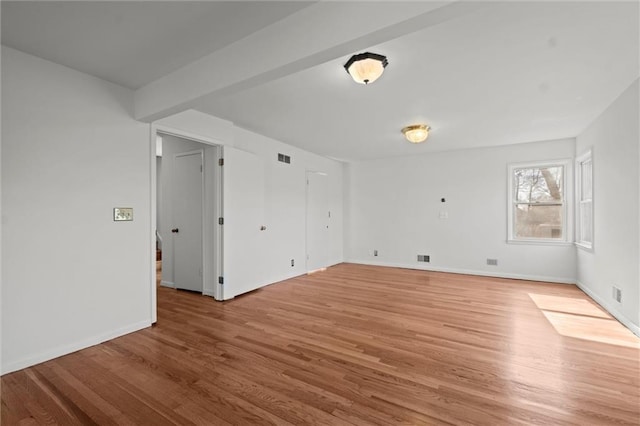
(292, 262)
(375, 252)
(617, 294)
(424, 258)
(492, 262)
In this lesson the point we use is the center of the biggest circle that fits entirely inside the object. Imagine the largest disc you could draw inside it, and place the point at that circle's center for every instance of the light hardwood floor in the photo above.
(356, 345)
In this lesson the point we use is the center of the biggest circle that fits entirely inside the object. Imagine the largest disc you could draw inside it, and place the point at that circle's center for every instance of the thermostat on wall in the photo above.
(122, 213)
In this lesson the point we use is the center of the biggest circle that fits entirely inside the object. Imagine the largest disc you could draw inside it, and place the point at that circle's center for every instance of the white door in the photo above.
(242, 233)
(317, 221)
(187, 221)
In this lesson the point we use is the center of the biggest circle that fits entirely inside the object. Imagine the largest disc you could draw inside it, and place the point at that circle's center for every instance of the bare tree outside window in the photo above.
(538, 203)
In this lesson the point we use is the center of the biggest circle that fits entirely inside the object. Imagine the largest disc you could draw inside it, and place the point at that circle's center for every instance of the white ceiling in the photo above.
(132, 43)
(509, 73)
(504, 73)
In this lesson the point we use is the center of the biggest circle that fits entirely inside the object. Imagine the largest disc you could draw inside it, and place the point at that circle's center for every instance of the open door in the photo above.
(187, 221)
(243, 228)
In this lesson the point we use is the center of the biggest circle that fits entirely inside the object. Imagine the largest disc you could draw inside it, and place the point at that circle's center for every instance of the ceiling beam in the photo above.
(316, 34)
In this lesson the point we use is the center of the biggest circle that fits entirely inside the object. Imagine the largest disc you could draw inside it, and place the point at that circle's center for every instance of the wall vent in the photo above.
(284, 158)
(424, 258)
(492, 262)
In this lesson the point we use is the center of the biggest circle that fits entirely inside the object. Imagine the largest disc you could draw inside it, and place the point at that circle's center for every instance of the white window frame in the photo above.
(567, 221)
(580, 203)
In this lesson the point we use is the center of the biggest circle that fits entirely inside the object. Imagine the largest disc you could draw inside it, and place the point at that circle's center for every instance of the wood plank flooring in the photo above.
(354, 345)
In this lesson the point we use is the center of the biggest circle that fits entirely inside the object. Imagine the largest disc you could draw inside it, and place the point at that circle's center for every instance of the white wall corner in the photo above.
(609, 307)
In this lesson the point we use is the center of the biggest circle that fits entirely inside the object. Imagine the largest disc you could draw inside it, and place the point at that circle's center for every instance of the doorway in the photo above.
(186, 189)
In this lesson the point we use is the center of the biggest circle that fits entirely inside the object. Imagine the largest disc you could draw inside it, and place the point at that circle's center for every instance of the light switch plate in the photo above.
(122, 214)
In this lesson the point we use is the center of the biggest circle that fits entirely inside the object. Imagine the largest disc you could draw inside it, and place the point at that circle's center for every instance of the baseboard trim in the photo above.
(611, 309)
(73, 347)
(557, 280)
(167, 284)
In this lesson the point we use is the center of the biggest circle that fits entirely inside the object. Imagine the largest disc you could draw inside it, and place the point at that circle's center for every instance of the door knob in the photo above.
(175, 230)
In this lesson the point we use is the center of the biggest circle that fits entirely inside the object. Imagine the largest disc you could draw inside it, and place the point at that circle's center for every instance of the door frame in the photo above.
(159, 130)
(202, 213)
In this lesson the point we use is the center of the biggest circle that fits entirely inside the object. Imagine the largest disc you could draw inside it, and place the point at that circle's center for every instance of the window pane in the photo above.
(532, 221)
(584, 228)
(538, 184)
(586, 180)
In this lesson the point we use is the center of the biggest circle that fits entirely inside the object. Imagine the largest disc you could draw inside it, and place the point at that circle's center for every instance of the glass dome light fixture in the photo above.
(416, 133)
(366, 67)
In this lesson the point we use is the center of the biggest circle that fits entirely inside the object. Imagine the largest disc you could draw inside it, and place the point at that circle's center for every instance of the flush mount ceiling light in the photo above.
(366, 67)
(416, 133)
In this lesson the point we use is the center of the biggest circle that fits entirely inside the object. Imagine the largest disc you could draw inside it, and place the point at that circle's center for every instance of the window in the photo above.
(584, 201)
(537, 202)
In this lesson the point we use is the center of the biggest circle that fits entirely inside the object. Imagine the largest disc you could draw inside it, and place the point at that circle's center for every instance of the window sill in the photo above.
(540, 242)
(585, 247)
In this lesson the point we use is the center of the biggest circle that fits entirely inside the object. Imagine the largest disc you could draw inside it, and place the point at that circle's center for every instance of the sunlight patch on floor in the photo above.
(582, 319)
(569, 305)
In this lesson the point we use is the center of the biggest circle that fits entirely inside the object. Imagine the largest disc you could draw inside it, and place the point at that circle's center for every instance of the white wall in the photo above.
(394, 206)
(1, 221)
(614, 138)
(285, 204)
(71, 153)
(285, 192)
(200, 126)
